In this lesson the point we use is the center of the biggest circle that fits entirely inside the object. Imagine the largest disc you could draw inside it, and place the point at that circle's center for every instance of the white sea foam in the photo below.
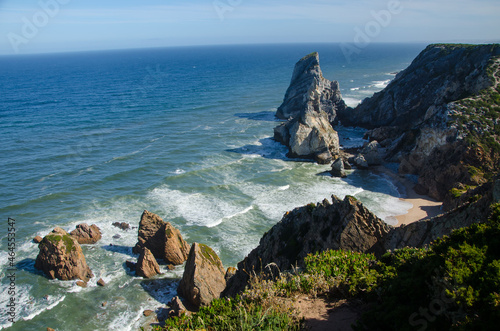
(381, 83)
(196, 208)
(242, 212)
(54, 303)
(352, 102)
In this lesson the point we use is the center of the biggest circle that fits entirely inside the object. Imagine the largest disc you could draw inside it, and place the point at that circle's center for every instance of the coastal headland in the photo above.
(437, 120)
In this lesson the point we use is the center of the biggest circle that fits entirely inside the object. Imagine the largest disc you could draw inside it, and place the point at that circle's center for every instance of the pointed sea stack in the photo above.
(309, 85)
(310, 106)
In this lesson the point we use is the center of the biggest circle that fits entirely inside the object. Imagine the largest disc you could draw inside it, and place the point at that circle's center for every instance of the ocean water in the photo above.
(186, 133)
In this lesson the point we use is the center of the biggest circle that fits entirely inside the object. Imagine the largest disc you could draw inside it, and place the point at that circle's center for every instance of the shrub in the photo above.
(234, 314)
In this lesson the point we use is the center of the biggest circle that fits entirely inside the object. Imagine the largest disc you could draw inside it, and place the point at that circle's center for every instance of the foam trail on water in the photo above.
(244, 211)
(52, 305)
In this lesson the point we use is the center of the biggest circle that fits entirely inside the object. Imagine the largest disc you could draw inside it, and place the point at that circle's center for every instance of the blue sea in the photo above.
(186, 133)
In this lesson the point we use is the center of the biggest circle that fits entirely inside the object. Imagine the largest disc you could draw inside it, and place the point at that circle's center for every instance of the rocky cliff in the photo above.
(439, 117)
(308, 86)
(348, 225)
(310, 106)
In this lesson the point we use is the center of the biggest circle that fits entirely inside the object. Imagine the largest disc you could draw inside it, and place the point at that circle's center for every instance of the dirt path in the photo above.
(321, 314)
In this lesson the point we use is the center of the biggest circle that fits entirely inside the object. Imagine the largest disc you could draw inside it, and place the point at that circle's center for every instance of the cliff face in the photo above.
(439, 117)
(341, 224)
(421, 93)
(348, 225)
(309, 86)
(310, 106)
(310, 135)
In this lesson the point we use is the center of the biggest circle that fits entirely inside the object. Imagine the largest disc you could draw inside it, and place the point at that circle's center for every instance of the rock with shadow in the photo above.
(204, 276)
(162, 239)
(62, 257)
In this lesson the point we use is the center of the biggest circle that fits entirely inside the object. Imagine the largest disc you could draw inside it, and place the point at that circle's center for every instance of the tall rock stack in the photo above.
(310, 107)
(308, 88)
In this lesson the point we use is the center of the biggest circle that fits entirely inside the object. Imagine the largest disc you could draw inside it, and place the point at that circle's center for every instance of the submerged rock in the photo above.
(86, 234)
(121, 225)
(162, 239)
(62, 257)
(204, 276)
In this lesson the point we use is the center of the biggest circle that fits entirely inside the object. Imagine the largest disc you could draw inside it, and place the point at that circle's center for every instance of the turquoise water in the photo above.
(183, 132)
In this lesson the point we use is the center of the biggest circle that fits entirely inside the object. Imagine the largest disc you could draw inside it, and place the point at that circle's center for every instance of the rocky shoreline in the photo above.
(418, 130)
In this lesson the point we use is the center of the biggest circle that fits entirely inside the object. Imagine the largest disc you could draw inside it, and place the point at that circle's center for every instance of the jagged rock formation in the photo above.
(439, 75)
(338, 169)
(162, 239)
(309, 136)
(371, 153)
(342, 224)
(204, 276)
(310, 106)
(147, 266)
(177, 308)
(439, 116)
(86, 234)
(308, 86)
(62, 257)
(348, 225)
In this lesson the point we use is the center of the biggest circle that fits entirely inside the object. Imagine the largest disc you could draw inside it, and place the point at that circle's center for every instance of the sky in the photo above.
(41, 26)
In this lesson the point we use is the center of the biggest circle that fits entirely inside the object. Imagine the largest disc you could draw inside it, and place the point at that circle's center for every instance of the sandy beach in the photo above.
(424, 207)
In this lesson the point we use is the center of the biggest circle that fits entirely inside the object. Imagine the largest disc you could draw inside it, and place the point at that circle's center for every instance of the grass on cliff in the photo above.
(477, 117)
(453, 284)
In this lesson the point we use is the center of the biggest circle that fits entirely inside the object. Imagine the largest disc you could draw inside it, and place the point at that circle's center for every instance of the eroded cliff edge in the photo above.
(348, 225)
(439, 118)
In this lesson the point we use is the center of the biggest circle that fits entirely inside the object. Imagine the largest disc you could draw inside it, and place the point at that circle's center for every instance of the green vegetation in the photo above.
(257, 309)
(209, 254)
(352, 197)
(453, 284)
(458, 192)
(68, 241)
(309, 55)
(477, 117)
(53, 238)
